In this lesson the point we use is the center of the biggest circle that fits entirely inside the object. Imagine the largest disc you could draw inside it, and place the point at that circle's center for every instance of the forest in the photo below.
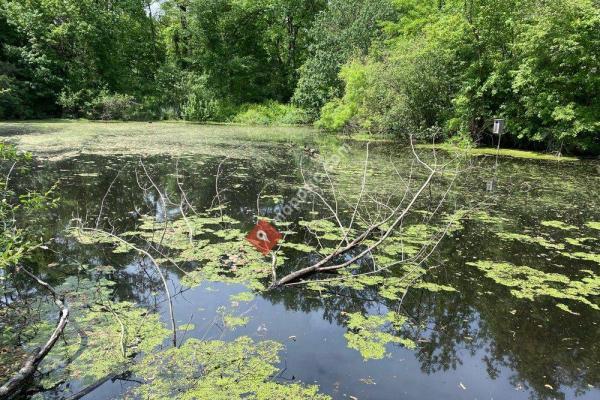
(299, 199)
(432, 69)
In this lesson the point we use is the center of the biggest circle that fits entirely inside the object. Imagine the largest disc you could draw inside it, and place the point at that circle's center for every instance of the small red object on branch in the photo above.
(264, 237)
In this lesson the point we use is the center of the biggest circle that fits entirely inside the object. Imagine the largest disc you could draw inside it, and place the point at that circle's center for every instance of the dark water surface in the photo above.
(478, 342)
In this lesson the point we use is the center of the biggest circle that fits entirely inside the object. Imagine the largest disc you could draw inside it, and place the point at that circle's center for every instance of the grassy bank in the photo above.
(475, 151)
(488, 151)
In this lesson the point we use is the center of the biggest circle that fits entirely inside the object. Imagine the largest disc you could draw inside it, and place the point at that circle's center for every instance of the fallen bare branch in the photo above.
(320, 266)
(28, 369)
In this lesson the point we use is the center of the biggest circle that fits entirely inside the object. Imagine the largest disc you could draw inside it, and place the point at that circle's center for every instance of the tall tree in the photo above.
(248, 50)
(344, 29)
(83, 45)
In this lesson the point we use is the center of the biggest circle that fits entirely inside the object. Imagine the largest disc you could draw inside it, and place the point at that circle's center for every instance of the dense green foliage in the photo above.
(19, 211)
(345, 30)
(271, 113)
(451, 67)
(432, 68)
(139, 59)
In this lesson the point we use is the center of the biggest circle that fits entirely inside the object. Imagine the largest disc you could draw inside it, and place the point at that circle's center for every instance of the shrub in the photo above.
(116, 106)
(404, 94)
(344, 113)
(101, 105)
(202, 103)
(347, 29)
(74, 104)
(11, 104)
(271, 113)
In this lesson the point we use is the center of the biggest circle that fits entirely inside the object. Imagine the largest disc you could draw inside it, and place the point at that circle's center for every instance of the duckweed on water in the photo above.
(217, 251)
(528, 283)
(98, 237)
(324, 229)
(488, 151)
(66, 139)
(519, 237)
(367, 334)
(301, 247)
(485, 217)
(225, 256)
(594, 225)
(559, 225)
(566, 308)
(230, 320)
(186, 327)
(222, 255)
(434, 287)
(102, 336)
(218, 370)
(101, 340)
(242, 297)
(579, 241)
(583, 256)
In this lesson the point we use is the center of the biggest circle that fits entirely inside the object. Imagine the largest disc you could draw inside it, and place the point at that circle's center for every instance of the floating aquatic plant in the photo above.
(594, 225)
(579, 241)
(242, 297)
(566, 308)
(186, 327)
(583, 256)
(102, 337)
(519, 237)
(559, 225)
(529, 283)
(366, 334)
(218, 370)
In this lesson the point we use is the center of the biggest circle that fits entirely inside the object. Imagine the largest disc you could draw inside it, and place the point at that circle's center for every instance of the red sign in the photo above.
(264, 237)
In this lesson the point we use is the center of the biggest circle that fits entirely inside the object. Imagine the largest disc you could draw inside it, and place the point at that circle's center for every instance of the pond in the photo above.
(504, 304)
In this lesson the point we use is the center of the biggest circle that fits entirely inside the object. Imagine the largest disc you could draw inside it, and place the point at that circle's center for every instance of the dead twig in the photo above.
(156, 267)
(27, 370)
